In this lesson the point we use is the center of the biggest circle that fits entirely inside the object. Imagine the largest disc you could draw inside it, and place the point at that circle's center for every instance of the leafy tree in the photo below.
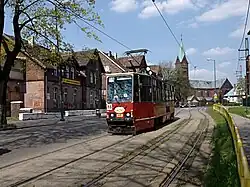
(174, 75)
(43, 19)
(241, 86)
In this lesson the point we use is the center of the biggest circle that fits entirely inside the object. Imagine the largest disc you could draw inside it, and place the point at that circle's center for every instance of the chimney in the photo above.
(110, 54)
(115, 55)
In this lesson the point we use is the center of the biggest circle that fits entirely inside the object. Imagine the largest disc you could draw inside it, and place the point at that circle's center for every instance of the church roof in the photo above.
(181, 51)
(202, 84)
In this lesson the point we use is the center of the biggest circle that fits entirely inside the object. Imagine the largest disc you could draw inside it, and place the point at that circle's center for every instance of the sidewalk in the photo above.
(243, 125)
(47, 122)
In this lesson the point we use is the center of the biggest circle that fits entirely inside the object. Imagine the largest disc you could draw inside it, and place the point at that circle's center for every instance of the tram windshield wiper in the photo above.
(116, 99)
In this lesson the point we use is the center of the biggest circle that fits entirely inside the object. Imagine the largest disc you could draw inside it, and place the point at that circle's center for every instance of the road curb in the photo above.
(15, 126)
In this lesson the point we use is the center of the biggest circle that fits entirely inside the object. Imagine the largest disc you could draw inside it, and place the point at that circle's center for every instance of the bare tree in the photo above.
(175, 76)
(44, 19)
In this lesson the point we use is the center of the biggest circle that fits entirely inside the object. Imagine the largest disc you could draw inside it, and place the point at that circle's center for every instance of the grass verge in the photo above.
(241, 111)
(222, 169)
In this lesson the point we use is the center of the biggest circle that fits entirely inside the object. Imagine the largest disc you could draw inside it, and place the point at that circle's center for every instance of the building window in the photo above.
(107, 69)
(55, 93)
(65, 95)
(74, 96)
(91, 77)
(94, 75)
(55, 72)
(72, 73)
(67, 72)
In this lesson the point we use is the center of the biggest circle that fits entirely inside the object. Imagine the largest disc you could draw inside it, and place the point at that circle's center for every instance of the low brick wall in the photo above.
(36, 116)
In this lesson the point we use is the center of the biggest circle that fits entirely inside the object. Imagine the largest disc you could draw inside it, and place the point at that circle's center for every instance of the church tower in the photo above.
(181, 62)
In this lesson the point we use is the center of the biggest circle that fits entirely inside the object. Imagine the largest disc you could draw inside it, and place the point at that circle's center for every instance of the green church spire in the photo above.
(181, 51)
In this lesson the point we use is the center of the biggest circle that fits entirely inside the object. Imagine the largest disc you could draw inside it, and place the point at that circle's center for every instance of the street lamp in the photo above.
(209, 59)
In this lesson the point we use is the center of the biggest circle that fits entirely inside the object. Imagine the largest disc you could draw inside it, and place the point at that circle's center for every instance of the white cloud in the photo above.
(191, 51)
(218, 51)
(224, 64)
(239, 32)
(193, 25)
(188, 23)
(204, 74)
(224, 10)
(123, 5)
(170, 7)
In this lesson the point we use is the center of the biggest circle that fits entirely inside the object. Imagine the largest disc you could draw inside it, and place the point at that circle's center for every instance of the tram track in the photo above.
(186, 160)
(29, 136)
(54, 151)
(124, 159)
(144, 149)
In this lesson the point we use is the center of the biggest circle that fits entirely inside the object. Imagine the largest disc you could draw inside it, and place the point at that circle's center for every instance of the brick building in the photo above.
(181, 62)
(82, 83)
(43, 88)
(201, 89)
(136, 63)
(91, 66)
(38, 86)
(205, 89)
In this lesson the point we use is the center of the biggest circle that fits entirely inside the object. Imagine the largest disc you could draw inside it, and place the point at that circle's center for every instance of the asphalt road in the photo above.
(21, 143)
(32, 142)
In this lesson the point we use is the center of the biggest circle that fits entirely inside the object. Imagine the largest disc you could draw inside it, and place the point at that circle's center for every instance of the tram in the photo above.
(137, 101)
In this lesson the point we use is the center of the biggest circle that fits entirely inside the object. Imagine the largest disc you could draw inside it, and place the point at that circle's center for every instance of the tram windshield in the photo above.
(119, 89)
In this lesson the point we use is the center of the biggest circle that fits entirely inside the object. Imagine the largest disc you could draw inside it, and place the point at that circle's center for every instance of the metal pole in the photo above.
(214, 77)
(60, 76)
(247, 70)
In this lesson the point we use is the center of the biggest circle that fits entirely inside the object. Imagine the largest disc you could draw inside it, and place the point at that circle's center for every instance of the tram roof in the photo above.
(136, 73)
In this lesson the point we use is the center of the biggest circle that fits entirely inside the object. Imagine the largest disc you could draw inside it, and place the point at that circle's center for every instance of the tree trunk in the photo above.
(3, 103)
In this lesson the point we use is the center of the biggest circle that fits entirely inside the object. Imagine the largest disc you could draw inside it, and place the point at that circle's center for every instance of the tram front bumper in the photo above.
(121, 129)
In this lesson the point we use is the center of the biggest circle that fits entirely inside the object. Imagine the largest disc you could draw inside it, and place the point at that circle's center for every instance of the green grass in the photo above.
(241, 111)
(222, 169)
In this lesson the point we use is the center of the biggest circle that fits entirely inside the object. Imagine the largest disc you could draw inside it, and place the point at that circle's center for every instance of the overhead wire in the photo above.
(244, 32)
(99, 30)
(245, 26)
(165, 21)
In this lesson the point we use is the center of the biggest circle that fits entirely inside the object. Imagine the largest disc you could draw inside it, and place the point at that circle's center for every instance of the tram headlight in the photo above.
(112, 115)
(128, 114)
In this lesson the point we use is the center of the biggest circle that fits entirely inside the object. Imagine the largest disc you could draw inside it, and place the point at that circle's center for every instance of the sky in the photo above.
(209, 28)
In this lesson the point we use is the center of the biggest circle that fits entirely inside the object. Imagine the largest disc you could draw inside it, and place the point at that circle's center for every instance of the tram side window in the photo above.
(171, 93)
(163, 91)
(168, 91)
(146, 94)
(136, 88)
(154, 90)
(157, 91)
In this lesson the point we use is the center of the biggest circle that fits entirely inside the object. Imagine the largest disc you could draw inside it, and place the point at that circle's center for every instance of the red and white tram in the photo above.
(137, 101)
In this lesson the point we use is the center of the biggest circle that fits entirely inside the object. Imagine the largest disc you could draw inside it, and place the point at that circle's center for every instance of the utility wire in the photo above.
(171, 31)
(245, 26)
(86, 22)
(244, 32)
(107, 36)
